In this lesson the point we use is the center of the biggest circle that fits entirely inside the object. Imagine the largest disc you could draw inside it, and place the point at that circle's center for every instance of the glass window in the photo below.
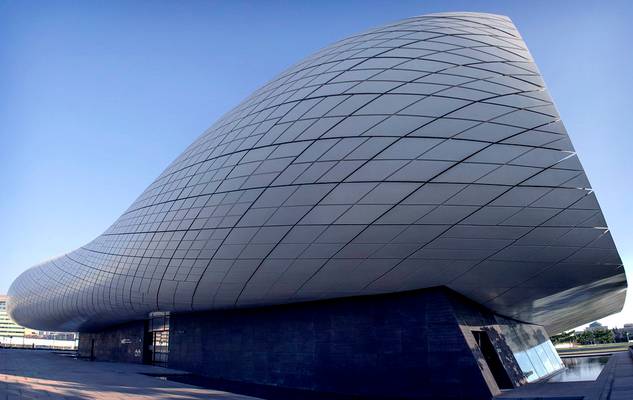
(526, 366)
(536, 362)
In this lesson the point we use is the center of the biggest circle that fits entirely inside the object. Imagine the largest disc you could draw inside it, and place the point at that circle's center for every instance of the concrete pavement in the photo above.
(32, 374)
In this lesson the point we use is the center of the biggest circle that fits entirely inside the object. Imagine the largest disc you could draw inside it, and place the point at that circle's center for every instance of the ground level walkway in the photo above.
(622, 378)
(33, 374)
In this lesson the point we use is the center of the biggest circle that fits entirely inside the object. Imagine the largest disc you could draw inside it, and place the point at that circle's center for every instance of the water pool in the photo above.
(581, 369)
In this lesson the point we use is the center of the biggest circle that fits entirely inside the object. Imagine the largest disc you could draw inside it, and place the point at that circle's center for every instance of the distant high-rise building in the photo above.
(8, 328)
(596, 326)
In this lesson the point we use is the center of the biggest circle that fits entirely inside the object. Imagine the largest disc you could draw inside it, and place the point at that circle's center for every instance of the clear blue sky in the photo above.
(96, 98)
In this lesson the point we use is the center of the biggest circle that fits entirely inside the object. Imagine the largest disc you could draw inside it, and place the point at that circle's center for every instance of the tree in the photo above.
(564, 337)
(603, 336)
(595, 336)
(585, 337)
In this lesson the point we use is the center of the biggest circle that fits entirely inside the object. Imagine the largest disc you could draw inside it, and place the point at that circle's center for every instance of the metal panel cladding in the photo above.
(422, 153)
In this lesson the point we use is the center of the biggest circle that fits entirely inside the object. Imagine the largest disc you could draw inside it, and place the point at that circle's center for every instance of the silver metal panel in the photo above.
(422, 153)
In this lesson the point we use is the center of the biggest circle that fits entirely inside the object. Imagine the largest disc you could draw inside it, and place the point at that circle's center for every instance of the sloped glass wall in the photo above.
(533, 351)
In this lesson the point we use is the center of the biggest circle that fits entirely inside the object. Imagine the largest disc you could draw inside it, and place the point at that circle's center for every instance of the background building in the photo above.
(8, 328)
(400, 214)
(16, 336)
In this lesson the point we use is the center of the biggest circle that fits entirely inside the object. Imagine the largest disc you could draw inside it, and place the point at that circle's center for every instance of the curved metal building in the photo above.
(424, 153)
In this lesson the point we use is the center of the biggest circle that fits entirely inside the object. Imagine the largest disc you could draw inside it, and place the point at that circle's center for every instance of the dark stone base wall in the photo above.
(122, 343)
(424, 344)
(396, 346)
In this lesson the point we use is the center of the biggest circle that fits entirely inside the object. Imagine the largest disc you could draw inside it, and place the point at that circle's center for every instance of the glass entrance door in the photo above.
(158, 334)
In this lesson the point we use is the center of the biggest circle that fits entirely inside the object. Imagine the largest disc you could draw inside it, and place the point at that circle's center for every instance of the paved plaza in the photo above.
(32, 374)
